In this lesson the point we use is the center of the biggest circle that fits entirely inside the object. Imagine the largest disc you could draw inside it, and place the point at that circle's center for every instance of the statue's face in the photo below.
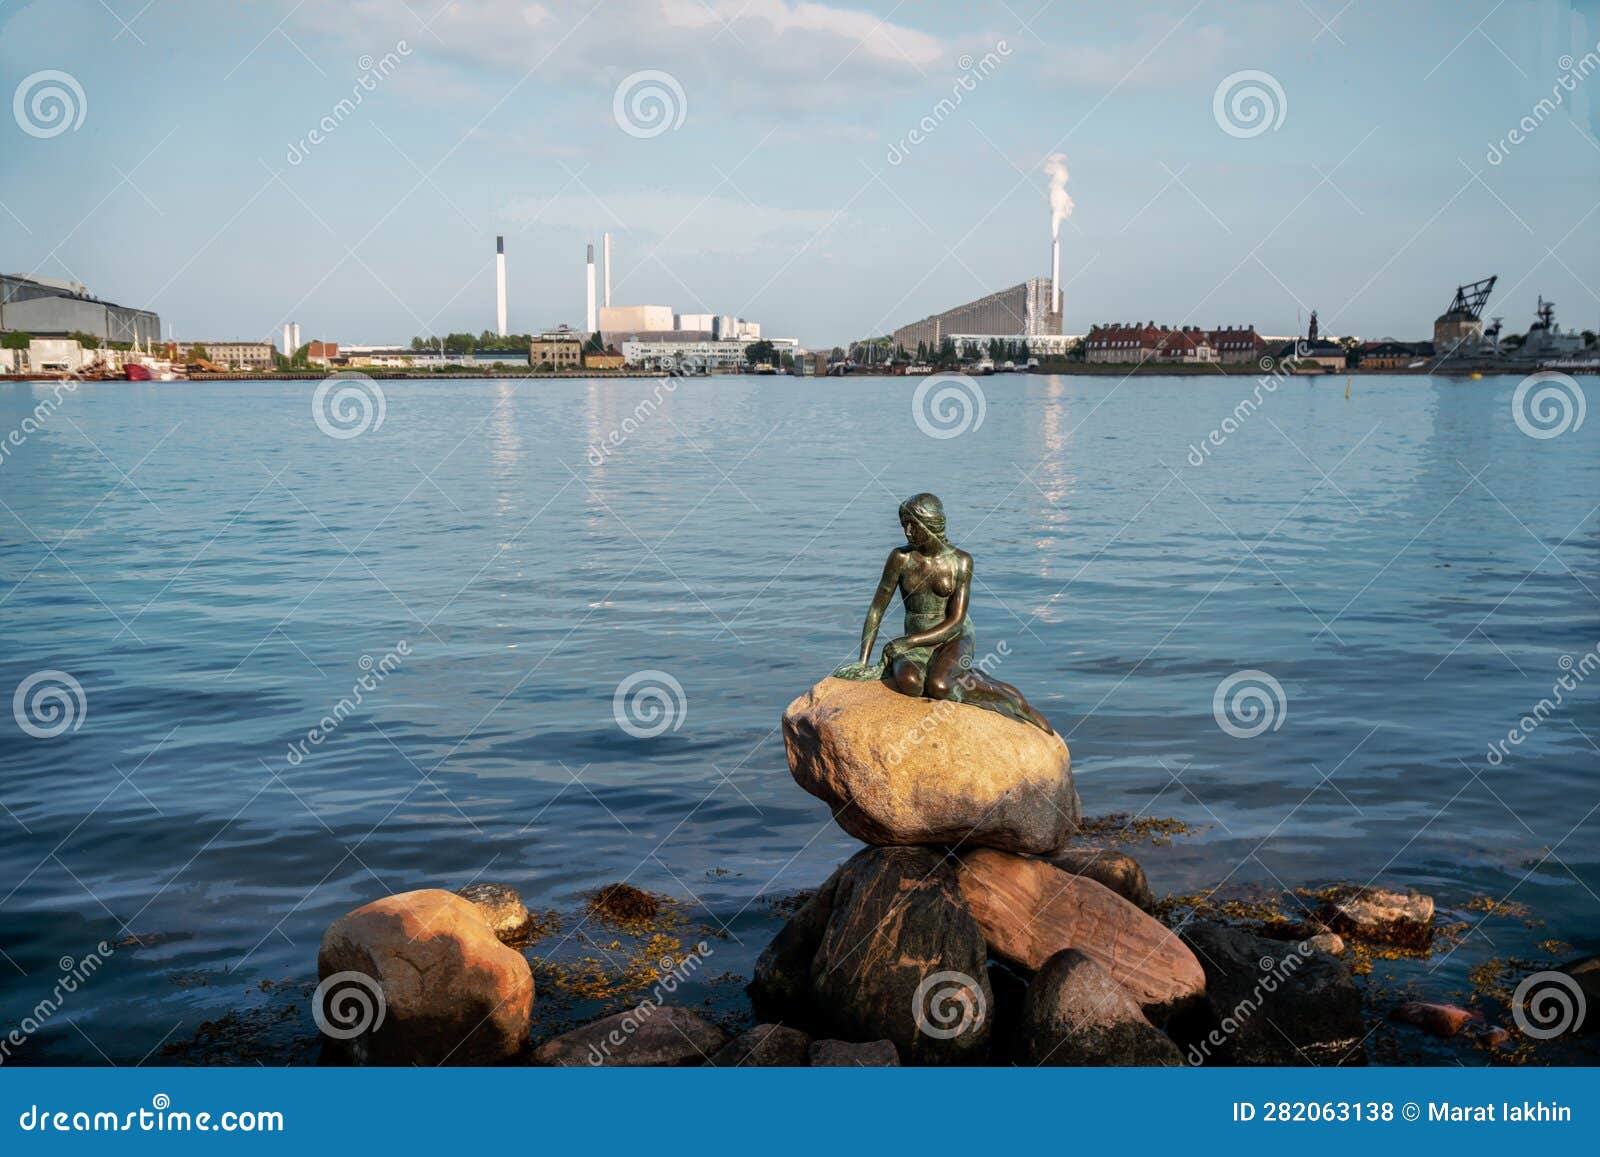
(915, 534)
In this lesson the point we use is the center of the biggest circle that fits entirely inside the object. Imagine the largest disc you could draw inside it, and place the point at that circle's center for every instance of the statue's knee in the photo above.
(937, 688)
(908, 680)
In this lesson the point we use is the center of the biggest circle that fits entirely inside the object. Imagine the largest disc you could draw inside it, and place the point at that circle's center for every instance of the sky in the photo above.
(830, 170)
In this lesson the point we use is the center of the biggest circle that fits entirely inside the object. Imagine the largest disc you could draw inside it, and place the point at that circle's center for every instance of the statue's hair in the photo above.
(927, 510)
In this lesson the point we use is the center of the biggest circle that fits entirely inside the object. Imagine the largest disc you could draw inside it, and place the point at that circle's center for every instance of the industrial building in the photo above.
(234, 355)
(48, 307)
(1021, 313)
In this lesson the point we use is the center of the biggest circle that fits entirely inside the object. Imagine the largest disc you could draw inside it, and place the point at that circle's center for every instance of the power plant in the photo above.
(500, 286)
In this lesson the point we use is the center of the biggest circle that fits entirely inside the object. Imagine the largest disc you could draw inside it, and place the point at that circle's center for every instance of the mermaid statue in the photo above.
(934, 658)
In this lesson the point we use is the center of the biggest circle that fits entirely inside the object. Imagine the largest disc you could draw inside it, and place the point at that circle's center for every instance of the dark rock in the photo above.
(902, 959)
(1075, 1014)
(780, 989)
(1009, 984)
(650, 1035)
(765, 1046)
(1116, 870)
(1376, 914)
(501, 907)
(624, 904)
(1269, 1003)
(1587, 973)
(1438, 1019)
(838, 1054)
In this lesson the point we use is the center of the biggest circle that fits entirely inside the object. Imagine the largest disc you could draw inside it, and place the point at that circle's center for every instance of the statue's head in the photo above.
(922, 518)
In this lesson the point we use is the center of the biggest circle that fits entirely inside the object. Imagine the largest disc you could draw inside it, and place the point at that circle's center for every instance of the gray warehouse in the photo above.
(45, 307)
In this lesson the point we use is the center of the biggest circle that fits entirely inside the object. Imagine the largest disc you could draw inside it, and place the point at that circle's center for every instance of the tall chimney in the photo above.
(605, 257)
(500, 285)
(1055, 274)
(288, 350)
(590, 326)
(294, 334)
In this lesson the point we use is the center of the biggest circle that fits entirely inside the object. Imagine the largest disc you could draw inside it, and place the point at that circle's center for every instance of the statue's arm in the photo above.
(880, 603)
(955, 614)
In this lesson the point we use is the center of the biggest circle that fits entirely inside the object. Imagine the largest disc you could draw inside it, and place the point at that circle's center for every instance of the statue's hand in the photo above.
(892, 650)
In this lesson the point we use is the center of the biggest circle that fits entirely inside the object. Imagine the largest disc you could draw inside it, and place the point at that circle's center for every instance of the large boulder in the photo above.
(1270, 1002)
(1030, 910)
(649, 1035)
(898, 770)
(780, 989)
(1076, 1014)
(1116, 870)
(418, 978)
(901, 959)
(765, 1046)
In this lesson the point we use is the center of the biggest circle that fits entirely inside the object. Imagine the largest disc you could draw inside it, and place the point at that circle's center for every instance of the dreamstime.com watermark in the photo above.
(948, 1004)
(347, 404)
(648, 103)
(672, 974)
(49, 102)
(948, 405)
(160, 1117)
(373, 73)
(602, 448)
(347, 1005)
(649, 703)
(939, 709)
(74, 974)
(1576, 672)
(1248, 703)
(1278, 971)
(1548, 1004)
(1248, 103)
(49, 703)
(973, 72)
(35, 419)
(374, 672)
(1573, 72)
(1243, 409)
(1548, 404)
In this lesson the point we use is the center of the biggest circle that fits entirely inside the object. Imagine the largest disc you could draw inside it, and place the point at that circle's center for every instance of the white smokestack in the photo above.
(590, 325)
(605, 257)
(288, 350)
(1055, 275)
(294, 334)
(1055, 167)
(500, 285)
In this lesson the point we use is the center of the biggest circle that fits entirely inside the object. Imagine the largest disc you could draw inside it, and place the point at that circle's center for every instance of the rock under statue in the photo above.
(933, 659)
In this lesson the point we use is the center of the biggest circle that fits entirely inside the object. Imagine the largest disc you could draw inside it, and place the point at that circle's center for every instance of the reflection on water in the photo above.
(211, 569)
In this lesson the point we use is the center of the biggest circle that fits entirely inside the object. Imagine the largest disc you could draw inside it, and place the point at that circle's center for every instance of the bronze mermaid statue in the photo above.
(934, 658)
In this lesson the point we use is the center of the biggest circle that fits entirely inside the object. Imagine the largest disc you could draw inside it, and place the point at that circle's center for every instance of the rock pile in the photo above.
(972, 932)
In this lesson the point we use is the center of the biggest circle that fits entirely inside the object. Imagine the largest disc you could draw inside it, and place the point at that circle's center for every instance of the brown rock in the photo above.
(649, 1035)
(1116, 870)
(1404, 918)
(898, 770)
(438, 987)
(838, 1054)
(500, 906)
(1330, 942)
(1438, 1019)
(1075, 1014)
(1030, 910)
(765, 1046)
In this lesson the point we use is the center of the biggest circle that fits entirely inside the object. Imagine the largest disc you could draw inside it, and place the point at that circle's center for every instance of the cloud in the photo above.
(758, 53)
(669, 224)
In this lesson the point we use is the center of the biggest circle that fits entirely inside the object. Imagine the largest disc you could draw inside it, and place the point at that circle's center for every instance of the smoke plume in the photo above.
(1055, 166)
